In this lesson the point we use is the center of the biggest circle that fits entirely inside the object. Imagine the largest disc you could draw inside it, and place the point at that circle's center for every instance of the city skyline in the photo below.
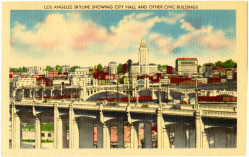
(44, 37)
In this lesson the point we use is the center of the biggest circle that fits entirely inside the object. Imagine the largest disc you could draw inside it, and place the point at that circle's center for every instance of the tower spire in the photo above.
(143, 41)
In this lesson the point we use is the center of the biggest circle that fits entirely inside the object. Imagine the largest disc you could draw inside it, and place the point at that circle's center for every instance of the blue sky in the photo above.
(91, 37)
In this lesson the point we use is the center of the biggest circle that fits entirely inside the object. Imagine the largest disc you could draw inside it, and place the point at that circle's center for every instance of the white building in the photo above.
(65, 68)
(112, 68)
(39, 70)
(186, 66)
(165, 81)
(202, 79)
(143, 67)
(25, 82)
(76, 80)
(81, 71)
(59, 82)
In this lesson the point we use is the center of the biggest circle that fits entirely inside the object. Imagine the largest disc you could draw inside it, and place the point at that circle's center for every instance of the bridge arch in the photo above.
(26, 116)
(105, 91)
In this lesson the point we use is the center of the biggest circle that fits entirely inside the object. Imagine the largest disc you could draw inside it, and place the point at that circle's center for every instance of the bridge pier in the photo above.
(166, 142)
(153, 95)
(22, 98)
(106, 136)
(16, 129)
(37, 133)
(134, 136)
(56, 116)
(198, 129)
(160, 123)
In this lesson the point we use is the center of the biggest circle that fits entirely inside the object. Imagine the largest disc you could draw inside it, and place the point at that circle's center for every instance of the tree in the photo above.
(24, 69)
(58, 68)
(229, 63)
(121, 80)
(72, 69)
(48, 68)
(159, 67)
(120, 69)
(12, 69)
(99, 66)
(219, 63)
(129, 63)
(209, 63)
(199, 66)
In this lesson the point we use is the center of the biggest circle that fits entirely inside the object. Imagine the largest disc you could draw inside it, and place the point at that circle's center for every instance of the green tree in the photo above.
(159, 67)
(99, 66)
(48, 68)
(229, 63)
(24, 69)
(58, 68)
(199, 66)
(13, 69)
(121, 80)
(72, 69)
(209, 63)
(120, 69)
(219, 63)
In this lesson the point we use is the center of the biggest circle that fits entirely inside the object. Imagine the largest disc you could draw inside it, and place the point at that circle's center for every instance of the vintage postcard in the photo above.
(124, 78)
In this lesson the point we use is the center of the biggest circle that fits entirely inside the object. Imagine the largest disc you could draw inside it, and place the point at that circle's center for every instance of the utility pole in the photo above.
(129, 80)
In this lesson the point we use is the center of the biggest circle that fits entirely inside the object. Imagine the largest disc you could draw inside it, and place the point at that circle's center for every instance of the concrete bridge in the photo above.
(85, 92)
(203, 125)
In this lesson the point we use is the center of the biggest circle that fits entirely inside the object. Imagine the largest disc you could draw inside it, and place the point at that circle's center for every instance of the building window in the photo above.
(42, 134)
(49, 134)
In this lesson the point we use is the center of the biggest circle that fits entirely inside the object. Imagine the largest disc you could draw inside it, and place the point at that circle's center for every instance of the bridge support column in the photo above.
(56, 115)
(30, 93)
(147, 135)
(61, 90)
(42, 94)
(61, 136)
(159, 97)
(22, 95)
(166, 142)
(168, 94)
(73, 129)
(51, 93)
(37, 133)
(106, 136)
(84, 90)
(86, 132)
(160, 123)
(16, 130)
(120, 133)
(198, 129)
(134, 136)
(153, 94)
(71, 126)
(34, 95)
(13, 94)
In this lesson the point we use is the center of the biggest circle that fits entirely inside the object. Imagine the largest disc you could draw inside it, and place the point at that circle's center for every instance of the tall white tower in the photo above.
(143, 56)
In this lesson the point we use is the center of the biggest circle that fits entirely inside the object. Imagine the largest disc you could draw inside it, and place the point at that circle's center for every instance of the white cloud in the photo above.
(206, 36)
